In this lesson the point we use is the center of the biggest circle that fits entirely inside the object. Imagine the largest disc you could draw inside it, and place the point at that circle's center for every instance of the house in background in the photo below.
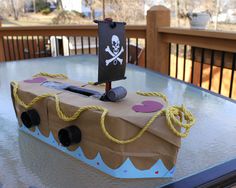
(77, 5)
(36, 6)
(81, 7)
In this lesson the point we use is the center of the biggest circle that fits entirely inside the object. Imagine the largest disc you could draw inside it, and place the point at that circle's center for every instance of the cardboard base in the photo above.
(126, 170)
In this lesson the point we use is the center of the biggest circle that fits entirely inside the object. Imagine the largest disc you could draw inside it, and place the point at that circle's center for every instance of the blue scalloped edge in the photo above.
(126, 170)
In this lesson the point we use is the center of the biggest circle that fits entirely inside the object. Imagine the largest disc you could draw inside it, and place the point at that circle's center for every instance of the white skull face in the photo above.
(115, 44)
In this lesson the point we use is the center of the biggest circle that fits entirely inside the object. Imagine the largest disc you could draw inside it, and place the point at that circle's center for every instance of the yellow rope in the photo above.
(61, 76)
(173, 114)
(155, 94)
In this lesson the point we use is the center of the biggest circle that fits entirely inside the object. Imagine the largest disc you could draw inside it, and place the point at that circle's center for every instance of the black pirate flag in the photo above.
(112, 51)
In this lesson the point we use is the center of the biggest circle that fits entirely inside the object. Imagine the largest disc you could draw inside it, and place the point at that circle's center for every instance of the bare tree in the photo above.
(103, 9)
(12, 8)
(17, 7)
(131, 12)
(15, 10)
(177, 11)
(217, 13)
(93, 5)
(60, 5)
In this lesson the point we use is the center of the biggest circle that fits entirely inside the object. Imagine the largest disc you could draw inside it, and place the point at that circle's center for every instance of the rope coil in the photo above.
(174, 114)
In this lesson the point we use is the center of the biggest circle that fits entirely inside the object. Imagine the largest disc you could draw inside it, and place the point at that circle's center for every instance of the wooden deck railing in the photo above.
(202, 57)
(211, 58)
(42, 41)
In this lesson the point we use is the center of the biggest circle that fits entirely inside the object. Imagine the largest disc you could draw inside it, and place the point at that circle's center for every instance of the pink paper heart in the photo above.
(36, 80)
(148, 107)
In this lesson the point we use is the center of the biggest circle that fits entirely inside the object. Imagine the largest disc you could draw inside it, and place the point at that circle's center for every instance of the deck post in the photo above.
(2, 57)
(157, 50)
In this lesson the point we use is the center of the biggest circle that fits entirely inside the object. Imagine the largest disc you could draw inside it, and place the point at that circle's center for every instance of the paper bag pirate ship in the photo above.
(134, 135)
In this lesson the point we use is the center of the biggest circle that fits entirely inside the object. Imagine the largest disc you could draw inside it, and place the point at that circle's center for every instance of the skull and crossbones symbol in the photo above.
(115, 53)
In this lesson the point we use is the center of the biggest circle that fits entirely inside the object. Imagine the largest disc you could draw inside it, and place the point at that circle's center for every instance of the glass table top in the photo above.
(28, 162)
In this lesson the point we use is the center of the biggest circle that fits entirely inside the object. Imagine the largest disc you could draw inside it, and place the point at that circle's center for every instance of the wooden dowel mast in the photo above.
(108, 86)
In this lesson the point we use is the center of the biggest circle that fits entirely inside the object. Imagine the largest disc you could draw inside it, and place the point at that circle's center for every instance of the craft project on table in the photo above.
(124, 134)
